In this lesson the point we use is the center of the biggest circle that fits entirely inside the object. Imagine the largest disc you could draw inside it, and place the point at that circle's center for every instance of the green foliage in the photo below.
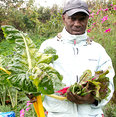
(52, 26)
(4, 48)
(86, 76)
(3, 94)
(8, 95)
(22, 104)
(4, 108)
(37, 20)
(97, 85)
(106, 39)
(110, 110)
(30, 70)
(44, 14)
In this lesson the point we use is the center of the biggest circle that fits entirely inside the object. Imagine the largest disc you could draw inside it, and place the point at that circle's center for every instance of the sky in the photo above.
(50, 3)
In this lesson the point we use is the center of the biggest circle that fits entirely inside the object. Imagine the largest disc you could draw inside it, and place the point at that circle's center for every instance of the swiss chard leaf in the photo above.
(3, 72)
(87, 74)
(97, 84)
(30, 70)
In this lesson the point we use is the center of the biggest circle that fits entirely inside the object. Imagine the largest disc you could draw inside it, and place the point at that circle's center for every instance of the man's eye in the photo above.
(83, 18)
(73, 18)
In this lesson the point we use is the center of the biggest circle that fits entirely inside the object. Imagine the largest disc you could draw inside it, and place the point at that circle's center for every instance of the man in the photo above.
(76, 54)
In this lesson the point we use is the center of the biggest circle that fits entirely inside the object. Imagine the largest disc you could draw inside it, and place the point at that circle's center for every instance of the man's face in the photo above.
(76, 24)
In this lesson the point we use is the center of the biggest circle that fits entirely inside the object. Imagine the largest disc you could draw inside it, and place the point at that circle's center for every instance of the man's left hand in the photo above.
(87, 99)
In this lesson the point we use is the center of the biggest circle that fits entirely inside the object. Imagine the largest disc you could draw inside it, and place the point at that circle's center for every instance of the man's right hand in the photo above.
(31, 97)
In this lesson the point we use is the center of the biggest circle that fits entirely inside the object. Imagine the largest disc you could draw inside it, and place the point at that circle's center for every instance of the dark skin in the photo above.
(31, 97)
(76, 25)
(87, 99)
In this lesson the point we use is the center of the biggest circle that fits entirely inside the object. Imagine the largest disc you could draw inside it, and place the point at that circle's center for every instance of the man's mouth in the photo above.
(77, 29)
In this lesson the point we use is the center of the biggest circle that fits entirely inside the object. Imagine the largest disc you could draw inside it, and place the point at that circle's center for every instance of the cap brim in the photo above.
(73, 11)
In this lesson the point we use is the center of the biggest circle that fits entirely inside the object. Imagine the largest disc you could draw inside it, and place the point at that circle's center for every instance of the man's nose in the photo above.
(77, 23)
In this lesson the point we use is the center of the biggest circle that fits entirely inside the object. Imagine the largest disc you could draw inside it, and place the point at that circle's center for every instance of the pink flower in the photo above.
(99, 11)
(94, 23)
(114, 7)
(104, 18)
(62, 91)
(107, 30)
(46, 112)
(105, 9)
(89, 30)
(89, 10)
(92, 14)
(22, 113)
(111, 5)
(27, 109)
(28, 103)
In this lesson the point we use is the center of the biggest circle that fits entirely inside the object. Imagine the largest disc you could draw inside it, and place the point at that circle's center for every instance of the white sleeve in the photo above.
(47, 43)
(43, 46)
(104, 63)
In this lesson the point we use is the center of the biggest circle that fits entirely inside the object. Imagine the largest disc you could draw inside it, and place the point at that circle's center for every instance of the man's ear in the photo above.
(63, 17)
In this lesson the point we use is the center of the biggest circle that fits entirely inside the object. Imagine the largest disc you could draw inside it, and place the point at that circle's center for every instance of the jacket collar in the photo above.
(72, 39)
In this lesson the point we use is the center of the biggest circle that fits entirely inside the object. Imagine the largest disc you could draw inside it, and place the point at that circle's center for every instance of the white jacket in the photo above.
(72, 61)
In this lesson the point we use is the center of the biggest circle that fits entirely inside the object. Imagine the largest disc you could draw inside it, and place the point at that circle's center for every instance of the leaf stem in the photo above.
(57, 97)
(27, 51)
(5, 70)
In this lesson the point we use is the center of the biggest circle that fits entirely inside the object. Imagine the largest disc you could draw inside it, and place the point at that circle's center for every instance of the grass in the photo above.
(110, 110)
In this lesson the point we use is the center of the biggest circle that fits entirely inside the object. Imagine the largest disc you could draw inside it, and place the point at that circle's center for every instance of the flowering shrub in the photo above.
(23, 111)
(100, 20)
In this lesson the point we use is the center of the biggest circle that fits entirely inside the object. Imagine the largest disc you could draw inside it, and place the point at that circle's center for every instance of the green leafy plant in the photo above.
(30, 70)
(3, 83)
(97, 85)
(6, 90)
(4, 108)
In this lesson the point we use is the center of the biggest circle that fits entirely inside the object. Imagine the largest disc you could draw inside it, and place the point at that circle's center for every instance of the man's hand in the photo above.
(31, 97)
(87, 99)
